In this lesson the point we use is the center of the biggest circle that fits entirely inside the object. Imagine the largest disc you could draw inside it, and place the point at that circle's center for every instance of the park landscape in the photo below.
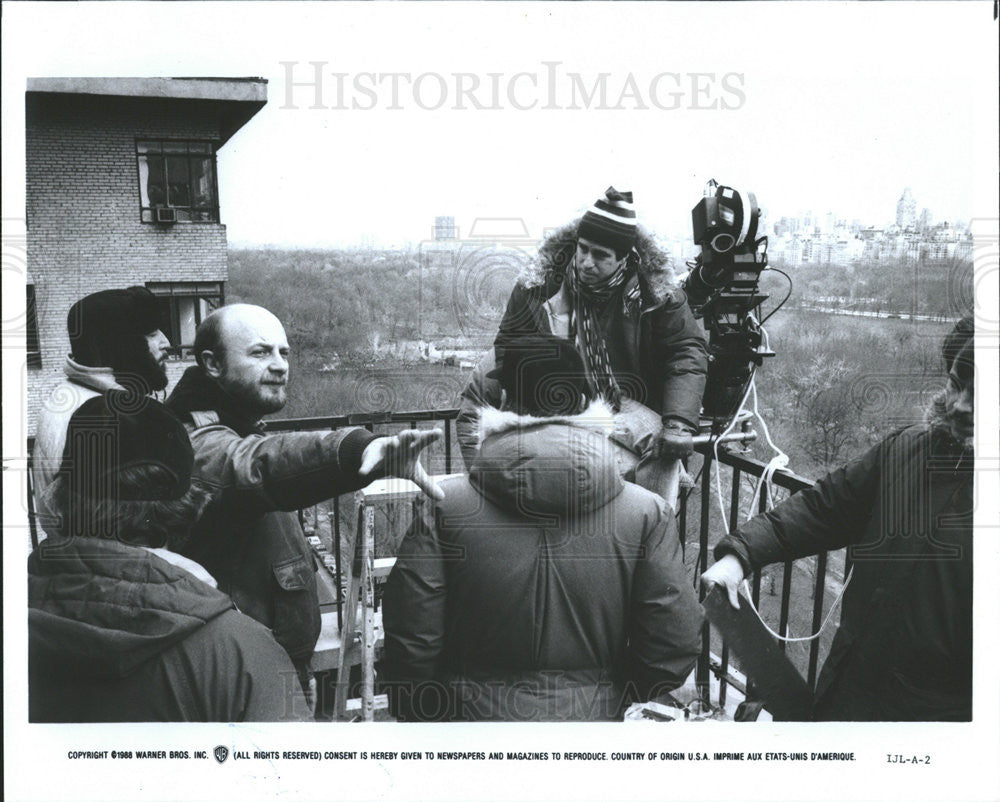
(856, 356)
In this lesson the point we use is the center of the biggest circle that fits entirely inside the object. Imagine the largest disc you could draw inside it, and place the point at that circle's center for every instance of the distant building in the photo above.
(906, 210)
(122, 189)
(444, 229)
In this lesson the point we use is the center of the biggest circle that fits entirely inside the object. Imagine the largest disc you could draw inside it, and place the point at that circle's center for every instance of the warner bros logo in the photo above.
(221, 753)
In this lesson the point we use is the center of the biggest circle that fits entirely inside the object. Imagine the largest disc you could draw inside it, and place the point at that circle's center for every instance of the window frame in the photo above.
(176, 290)
(31, 333)
(213, 148)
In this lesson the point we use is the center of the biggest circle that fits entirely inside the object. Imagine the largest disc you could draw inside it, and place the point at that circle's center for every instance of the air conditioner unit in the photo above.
(166, 215)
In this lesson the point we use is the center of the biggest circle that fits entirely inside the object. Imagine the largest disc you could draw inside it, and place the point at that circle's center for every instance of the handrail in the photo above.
(738, 462)
(743, 464)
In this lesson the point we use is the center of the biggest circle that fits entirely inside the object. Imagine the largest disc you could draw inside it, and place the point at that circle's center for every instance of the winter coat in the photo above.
(81, 384)
(115, 633)
(904, 647)
(657, 350)
(543, 587)
(249, 537)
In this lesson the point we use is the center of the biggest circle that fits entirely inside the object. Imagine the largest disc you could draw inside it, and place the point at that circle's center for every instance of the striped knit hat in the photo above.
(610, 221)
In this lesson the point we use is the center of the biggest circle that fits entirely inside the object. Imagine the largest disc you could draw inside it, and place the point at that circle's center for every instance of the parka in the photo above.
(657, 350)
(116, 633)
(542, 588)
(249, 537)
(903, 651)
(80, 385)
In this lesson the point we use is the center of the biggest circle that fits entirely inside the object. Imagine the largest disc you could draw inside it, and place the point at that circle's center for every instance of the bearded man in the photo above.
(903, 651)
(249, 537)
(115, 344)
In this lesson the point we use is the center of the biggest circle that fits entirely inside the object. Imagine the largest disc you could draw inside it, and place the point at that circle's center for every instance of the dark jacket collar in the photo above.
(198, 392)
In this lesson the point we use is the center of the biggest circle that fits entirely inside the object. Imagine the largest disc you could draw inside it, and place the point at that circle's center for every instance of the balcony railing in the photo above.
(741, 468)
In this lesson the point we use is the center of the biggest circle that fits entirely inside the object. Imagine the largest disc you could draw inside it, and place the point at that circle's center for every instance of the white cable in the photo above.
(715, 454)
(746, 589)
(778, 461)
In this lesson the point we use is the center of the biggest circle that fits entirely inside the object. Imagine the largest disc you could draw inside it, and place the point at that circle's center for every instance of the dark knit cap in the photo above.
(116, 431)
(542, 375)
(611, 222)
(957, 351)
(103, 326)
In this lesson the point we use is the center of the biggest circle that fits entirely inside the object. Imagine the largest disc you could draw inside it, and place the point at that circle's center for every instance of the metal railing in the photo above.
(741, 466)
(744, 466)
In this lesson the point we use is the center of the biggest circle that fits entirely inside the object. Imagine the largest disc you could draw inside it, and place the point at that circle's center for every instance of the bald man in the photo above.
(249, 537)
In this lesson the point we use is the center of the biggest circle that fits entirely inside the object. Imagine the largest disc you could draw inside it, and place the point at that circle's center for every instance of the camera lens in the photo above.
(721, 243)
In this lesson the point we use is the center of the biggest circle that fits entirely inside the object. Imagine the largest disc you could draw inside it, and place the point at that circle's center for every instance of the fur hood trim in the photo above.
(598, 417)
(556, 252)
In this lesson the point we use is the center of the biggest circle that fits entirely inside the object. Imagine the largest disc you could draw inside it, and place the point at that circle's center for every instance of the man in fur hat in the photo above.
(903, 651)
(115, 344)
(543, 587)
(602, 283)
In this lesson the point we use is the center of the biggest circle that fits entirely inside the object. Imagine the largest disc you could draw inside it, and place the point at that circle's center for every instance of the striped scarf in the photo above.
(589, 300)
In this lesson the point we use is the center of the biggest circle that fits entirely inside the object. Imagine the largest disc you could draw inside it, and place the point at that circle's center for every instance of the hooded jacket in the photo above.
(115, 633)
(249, 537)
(81, 384)
(542, 587)
(657, 350)
(903, 651)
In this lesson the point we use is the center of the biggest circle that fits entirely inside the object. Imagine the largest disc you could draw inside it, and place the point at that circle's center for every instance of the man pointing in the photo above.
(249, 537)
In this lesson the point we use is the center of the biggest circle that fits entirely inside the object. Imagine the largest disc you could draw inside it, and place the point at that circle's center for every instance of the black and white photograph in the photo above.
(395, 392)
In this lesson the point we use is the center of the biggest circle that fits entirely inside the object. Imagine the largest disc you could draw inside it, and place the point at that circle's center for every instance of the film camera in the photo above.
(722, 291)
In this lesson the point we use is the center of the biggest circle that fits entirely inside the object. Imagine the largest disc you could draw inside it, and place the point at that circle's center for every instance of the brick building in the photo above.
(122, 189)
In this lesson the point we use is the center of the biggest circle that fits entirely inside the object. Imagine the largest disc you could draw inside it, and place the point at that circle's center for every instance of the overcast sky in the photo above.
(821, 107)
(818, 106)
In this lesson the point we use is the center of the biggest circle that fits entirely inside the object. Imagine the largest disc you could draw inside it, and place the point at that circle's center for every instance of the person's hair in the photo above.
(542, 375)
(140, 523)
(955, 342)
(208, 337)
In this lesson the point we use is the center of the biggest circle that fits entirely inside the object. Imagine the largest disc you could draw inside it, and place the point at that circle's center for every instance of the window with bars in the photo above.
(177, 181)
(31, 334)
(182, 306)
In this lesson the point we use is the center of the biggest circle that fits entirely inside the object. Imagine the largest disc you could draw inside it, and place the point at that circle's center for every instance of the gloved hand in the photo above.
(674, 441)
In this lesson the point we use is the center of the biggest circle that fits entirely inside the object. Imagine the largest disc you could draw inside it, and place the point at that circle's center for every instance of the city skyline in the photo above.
(365, 143)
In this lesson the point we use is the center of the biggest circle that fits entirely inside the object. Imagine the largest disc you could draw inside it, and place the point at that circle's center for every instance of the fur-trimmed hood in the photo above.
(598, 418)
(556, 253)
(544, 466)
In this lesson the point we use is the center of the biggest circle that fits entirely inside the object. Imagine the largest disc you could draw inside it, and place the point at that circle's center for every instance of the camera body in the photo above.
(722, 290)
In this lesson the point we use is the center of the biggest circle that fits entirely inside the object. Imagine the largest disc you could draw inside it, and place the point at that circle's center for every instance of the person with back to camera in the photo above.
(543, 587)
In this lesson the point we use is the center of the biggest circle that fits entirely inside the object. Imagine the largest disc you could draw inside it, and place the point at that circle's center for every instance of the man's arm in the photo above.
(479, 392)
(831, 514)
(285, 471)
(298, 469)
(680, 345)
(665, 631)
(414, 617)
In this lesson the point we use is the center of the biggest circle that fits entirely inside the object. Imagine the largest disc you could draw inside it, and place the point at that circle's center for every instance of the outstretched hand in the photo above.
(399, 455)
(727, 572)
